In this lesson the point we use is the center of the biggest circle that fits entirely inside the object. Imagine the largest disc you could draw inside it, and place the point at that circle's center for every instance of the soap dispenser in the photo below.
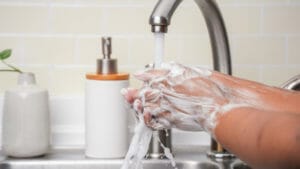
(106, 116)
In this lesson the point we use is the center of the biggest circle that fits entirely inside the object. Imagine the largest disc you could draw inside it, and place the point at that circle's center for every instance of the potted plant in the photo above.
(5, 54)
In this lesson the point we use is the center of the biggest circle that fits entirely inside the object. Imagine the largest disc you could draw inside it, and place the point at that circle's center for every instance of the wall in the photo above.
(59, 41)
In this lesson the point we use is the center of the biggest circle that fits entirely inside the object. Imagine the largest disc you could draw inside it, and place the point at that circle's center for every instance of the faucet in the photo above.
(160, 19)
(293, 83)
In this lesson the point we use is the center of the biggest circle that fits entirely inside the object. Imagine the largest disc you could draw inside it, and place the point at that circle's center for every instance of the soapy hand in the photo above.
(178, 96)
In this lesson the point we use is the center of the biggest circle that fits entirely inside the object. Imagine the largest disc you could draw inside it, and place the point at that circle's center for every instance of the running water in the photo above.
(158, 60)
(142, 134)
(138, 146)
(159, 49)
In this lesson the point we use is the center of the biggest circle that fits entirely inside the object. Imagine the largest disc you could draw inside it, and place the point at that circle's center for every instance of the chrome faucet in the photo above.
(160, 20)
(293, 83)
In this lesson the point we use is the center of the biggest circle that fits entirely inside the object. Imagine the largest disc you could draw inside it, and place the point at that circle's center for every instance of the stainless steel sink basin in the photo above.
(186, 158)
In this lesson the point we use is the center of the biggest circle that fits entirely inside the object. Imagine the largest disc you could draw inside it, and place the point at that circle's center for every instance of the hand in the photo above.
(178, 96)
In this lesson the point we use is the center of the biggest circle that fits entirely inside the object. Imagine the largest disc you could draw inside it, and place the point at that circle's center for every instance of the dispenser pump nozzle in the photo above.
(106, 47)
(106, 65)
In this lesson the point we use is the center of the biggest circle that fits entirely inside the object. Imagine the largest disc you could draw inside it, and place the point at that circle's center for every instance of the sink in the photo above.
(241, 166)
(186, 158)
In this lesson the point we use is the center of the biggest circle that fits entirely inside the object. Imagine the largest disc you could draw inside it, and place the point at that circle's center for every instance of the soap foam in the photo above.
(138, 147)
(186, 109)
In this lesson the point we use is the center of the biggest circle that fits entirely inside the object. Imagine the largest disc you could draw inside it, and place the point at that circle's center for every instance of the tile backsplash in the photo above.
(59, 40)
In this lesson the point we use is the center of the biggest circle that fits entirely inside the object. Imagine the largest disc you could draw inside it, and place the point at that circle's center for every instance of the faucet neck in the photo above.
(161, 18)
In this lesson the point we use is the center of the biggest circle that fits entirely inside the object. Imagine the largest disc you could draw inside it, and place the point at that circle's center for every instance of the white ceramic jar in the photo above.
(25, 130)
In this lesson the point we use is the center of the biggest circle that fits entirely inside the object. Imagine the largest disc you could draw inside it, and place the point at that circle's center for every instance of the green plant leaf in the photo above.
(5, 54)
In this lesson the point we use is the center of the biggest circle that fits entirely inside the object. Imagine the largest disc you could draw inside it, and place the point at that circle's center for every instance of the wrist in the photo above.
(254, 94)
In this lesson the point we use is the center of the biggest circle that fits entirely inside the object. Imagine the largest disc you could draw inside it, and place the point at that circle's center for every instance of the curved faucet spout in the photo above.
(161, 18)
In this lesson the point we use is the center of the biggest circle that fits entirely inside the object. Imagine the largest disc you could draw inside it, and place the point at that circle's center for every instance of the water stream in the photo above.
(159, 49)
(142, 134)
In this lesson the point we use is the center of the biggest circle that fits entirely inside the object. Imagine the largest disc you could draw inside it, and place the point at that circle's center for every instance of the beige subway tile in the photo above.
(131, 20)
(294, 1)
(7, 80)
(42, 75)
(90, 49)
(141, 51)
(281, 19)
(48, 50)
(249, 73)
(276, 76)
(110, 2)
(26, 19)
(196, 51)
(148, 2)
(294, 50)
(133, 82)
(185, 2)
(13, 43)
(68, 81)
(26, 1)
(63, 1)
(76, 20)
(262, 1)
(90, 2)
(259, 50)
(187, 19)
(221, 2)
(242, 19)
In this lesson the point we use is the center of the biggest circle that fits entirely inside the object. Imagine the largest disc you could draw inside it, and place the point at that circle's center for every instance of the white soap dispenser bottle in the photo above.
(106, 117)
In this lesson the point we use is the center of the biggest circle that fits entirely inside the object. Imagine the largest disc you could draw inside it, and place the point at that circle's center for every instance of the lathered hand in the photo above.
(178, 96)
(242, 115)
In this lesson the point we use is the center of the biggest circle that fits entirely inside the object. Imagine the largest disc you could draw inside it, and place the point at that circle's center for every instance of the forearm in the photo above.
(262, 139)
(260, 95)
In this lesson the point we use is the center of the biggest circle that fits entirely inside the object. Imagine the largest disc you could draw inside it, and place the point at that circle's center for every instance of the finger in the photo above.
(149, 95)
(157, 123)
(129, 94)
(147, 119)
(148, 75)
(155, 118)
(138, 106)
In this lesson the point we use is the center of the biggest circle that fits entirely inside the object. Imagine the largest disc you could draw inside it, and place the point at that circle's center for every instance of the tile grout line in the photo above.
(286, 52)
(260, 74)
(262, 19)
(76, 51)
(178, 35)
(128, 58)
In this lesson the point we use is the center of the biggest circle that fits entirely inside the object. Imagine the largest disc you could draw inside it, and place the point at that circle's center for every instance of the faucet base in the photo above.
(156, 150)
(156, 156)
(220, 155)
